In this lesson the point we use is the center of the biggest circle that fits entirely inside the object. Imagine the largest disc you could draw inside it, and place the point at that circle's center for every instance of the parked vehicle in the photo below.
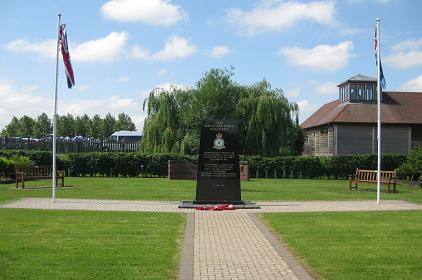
(125, 136)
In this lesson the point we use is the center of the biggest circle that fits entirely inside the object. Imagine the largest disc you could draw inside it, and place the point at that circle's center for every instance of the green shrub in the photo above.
(21, 161)
(142, 164)
(413, 166)
(5, 166)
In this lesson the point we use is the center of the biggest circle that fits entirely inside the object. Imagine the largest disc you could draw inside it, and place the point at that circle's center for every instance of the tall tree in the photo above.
(12, 128)
(95, 129)
(26, 125)
(124, 122)
(66, 126)
(82, 125)
(266, 118)
(42, 126)
(108, 125)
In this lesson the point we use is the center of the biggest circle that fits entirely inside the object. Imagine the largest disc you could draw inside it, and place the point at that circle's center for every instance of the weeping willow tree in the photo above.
(268, 122)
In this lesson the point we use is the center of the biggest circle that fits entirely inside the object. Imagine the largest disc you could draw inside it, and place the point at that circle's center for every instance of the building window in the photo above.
(361, 91)
(353, 92)
(369, 92)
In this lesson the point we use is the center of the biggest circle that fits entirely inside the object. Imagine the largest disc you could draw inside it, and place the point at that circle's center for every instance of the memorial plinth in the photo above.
(218, 177)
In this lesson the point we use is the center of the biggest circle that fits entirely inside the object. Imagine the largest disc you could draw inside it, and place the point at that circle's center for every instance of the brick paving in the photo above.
(229, 244)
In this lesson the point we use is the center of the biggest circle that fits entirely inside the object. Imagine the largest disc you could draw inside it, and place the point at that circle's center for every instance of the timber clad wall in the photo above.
(354, 139)
(416, 135)
(395, 139)
(344, 139)
(319, 142)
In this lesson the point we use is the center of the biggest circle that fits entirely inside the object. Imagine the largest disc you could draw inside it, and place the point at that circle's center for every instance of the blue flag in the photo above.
(382, 78)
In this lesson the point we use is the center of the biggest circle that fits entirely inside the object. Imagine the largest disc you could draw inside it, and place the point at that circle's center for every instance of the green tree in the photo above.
(124, 122)
(42, 126)
(267, 121)
(66, 125)
(12, 128)
(108, 125)
(82, 125)
(26, 126)
(95, 129)
(413, 164)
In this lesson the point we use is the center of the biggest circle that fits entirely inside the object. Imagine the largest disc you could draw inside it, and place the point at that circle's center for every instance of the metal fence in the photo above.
(65, 146)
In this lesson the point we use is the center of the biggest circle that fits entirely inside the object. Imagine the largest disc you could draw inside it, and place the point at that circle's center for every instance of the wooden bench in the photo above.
(370, 176)
(36, 172)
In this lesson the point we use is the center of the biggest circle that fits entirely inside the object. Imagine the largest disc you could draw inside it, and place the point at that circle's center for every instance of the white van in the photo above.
(125, 136)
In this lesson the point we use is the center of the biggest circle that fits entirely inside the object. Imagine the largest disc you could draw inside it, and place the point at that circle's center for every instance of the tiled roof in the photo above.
(359, 78)
(397, 108)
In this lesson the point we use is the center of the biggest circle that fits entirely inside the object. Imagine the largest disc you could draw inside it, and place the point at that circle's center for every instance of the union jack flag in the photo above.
(66, 56)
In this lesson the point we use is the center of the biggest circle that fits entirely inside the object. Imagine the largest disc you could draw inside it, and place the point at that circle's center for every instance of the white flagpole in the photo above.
(378, 111)
(55, 112)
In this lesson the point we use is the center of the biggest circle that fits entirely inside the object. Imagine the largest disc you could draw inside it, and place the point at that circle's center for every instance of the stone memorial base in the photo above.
(238, 204)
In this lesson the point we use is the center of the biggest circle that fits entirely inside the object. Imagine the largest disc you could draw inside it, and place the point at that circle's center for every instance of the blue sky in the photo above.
(123, 49)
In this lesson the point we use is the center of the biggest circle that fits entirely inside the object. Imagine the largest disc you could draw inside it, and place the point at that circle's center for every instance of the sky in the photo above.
(123, 49)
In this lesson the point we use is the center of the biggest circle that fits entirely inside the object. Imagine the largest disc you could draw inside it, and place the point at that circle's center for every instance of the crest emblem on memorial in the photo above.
(219, 141)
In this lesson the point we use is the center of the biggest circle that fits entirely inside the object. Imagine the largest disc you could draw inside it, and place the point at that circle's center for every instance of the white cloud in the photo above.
(407, 45)
(21, 101)
(45, 49)
(175, 47)
(294, 92)
(376, 1)
(106, 49)
(220, 51)
(154, 12)
(123, 79)
(161, 72)
(325, 89)
(413, 85)
(306, 109)
(103, 50)
(171, 86)
(321, 57)
(406, 54)
(82, 88)
(279, 15)
(352, 31)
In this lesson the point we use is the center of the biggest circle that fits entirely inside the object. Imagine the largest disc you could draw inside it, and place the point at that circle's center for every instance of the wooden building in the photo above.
(348, 125)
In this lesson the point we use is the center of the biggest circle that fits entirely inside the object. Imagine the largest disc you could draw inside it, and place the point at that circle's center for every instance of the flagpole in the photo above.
(55, 112)
(378, 111)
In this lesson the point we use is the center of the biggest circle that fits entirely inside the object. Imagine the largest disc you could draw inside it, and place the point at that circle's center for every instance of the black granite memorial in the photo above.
(218, 179)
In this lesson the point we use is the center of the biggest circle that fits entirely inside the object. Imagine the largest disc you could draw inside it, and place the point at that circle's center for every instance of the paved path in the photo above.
(171, 206)
(229, 244)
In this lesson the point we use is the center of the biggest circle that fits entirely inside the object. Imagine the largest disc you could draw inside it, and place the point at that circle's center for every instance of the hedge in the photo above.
(139, 164)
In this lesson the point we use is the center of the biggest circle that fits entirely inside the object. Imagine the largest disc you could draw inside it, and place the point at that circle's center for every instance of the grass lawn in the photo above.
(355, 245)
(174, 190)
(42, 244)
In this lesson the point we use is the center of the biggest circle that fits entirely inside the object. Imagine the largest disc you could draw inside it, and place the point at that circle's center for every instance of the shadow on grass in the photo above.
(32, 188)
(373, 190)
